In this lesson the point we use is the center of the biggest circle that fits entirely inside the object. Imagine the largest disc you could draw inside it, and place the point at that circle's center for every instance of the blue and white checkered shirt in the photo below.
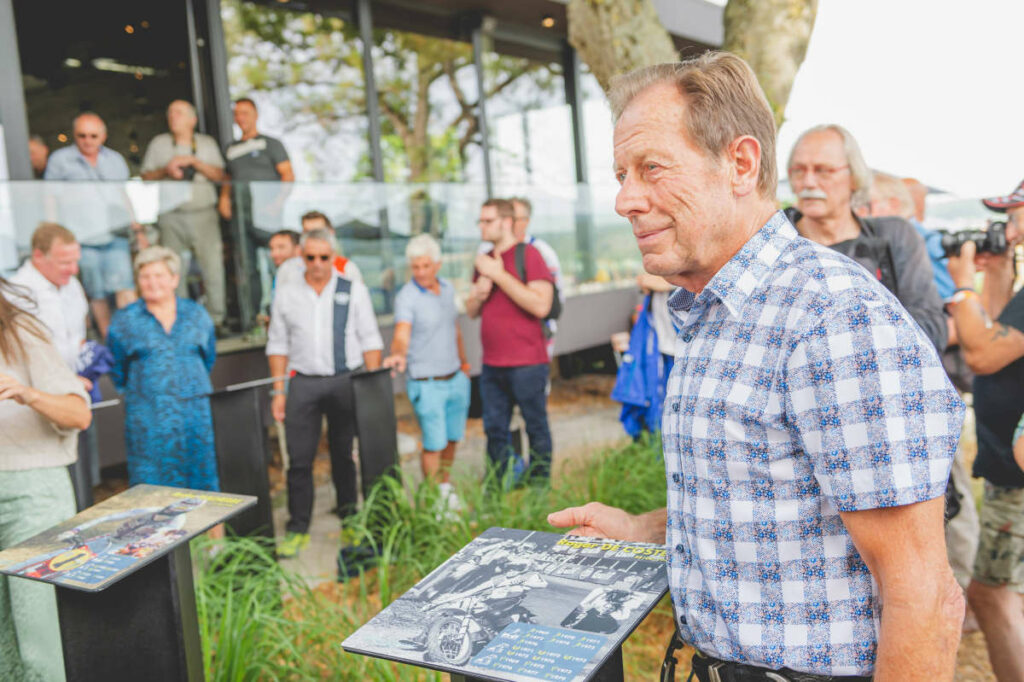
(801, 389)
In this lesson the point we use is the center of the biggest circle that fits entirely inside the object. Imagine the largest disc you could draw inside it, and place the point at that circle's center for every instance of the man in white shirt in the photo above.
(57, 299)
(322, 329)
(56, 296)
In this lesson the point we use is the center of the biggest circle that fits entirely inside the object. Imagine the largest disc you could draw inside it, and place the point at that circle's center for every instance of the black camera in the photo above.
(188, 173)
(990, 240)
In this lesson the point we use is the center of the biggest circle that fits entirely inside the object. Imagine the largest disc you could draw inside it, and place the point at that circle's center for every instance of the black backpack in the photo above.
(556, 302)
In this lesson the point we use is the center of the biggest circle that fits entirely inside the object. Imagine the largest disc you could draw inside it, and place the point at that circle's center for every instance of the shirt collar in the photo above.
(99, 155)
(33, 273)
(440, 283)
(740, 277)
(330, 288)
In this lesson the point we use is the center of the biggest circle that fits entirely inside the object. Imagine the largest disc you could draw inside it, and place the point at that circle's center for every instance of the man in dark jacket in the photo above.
(829, 177)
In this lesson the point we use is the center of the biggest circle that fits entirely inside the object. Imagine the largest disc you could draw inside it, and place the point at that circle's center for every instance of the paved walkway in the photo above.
(577, 431)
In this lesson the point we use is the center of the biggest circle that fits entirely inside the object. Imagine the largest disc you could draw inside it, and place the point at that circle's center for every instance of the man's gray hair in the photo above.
(423, 245)
(322, 235)
(886, 187)
(191, 107)
(88, 114)
(859, 170)
(158, 254)
(723, 100)
(525, 203)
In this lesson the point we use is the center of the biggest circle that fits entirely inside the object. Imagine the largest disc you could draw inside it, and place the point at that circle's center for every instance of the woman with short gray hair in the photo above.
(158, 254)
(164, 348)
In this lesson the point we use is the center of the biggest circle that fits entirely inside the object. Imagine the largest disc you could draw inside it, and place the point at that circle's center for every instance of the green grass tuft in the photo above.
(261, 622)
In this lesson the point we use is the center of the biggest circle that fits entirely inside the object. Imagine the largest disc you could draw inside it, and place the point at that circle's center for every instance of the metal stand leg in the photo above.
(611, 671)
(141, 628)
(243, 455)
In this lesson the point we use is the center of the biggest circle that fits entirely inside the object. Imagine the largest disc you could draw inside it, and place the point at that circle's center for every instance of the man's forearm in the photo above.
(155, 174)
(278, 366)
(460, 345)
(473, 305)
(519, 292)
(997, 289)
(920, 632)
(651, 526)
(213, 173)
(371, 359)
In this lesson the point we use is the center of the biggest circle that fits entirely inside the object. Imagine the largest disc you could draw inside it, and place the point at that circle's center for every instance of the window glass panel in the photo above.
(304, 71)
(427, 92)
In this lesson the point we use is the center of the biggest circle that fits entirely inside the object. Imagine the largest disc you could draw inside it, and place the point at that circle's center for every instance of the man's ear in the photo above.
(744, 157)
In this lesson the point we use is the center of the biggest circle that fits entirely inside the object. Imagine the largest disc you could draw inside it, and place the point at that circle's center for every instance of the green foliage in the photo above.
(258, 621)
(310, 65)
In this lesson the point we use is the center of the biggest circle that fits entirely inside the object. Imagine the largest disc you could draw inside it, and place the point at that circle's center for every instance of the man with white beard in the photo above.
(830, 178)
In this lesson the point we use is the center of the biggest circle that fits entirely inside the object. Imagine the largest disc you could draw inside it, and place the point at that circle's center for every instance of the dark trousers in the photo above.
(500, 389)
(309, 400)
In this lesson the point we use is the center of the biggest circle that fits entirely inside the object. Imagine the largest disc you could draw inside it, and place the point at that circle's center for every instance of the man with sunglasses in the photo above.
(829, 177)
(96, 209)
(321, 329)
(990, 327)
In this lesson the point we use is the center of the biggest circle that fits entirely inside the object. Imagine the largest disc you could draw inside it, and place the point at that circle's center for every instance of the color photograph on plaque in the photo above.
(106, 542)
(521, 605)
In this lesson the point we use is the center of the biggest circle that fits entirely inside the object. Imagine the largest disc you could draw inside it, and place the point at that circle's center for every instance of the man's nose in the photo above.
(631, 198)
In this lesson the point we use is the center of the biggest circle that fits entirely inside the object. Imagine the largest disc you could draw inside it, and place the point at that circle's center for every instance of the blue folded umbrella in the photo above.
(639, 384)
(94, 360)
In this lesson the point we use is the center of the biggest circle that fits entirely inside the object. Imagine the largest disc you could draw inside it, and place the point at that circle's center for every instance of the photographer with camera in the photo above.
(188, 220)
(990, 327)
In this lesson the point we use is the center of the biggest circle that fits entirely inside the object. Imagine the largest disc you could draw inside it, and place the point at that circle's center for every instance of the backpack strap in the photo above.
(521, 261)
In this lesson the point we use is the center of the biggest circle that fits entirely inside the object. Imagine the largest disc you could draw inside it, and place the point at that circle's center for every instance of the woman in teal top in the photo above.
(164, 348)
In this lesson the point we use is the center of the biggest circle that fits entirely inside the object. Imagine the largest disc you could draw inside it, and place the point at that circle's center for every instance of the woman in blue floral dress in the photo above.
(164, 348)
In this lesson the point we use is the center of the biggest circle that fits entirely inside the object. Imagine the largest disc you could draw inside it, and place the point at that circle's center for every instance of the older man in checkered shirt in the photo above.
(808, 426)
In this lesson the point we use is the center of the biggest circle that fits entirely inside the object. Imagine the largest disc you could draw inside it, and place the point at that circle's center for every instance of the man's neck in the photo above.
(317, 285)
(756, 217)
(506, 242)
(92, 159)
(184, 138)
(250, 134)
(48, 280)
(829, 231)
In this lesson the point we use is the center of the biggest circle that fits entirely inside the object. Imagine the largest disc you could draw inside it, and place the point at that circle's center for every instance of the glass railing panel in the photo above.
(373, 223)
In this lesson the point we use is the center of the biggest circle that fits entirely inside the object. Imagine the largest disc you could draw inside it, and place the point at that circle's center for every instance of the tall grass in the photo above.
(259, 621)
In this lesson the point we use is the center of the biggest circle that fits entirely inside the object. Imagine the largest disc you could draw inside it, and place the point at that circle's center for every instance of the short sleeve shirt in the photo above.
(433, 351)
(998, 402)
(255, 159)
(67, 163)
(95, 204)
(510, 336)
(801, 388)
(200, 193)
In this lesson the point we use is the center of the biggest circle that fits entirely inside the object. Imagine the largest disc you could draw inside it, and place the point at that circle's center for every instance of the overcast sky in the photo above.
(930, 89)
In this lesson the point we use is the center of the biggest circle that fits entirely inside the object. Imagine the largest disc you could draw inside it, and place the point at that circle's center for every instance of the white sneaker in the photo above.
(448, 503)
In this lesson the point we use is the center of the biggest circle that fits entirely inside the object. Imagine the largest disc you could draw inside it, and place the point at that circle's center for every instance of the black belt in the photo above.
(711, 669)
(444, 377)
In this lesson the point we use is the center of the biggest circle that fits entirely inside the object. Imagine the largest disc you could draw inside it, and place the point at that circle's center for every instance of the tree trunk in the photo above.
(772, 35)
(618, 36)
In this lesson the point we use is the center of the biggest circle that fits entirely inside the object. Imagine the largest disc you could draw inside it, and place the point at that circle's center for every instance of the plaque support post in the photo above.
(143, 627)
(243, 454)
(611, 671)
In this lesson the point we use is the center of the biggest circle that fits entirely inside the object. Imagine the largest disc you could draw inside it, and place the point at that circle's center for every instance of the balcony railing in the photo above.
(373, 222)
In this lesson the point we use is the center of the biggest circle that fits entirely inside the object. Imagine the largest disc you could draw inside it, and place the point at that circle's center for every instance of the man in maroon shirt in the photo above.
(515, 359)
